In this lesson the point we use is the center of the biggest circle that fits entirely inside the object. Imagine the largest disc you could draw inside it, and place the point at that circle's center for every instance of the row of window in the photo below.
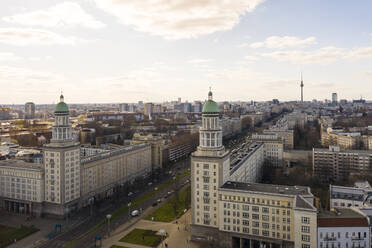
(256, 200)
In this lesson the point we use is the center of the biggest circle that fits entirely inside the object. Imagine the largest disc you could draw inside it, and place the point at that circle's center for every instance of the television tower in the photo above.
(302, 89)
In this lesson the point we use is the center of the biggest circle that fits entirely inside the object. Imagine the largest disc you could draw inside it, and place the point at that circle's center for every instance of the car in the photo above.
(130, 193)
(156, 188)
(149, 184)
(134, 213)
(154, 204)
(158, 200)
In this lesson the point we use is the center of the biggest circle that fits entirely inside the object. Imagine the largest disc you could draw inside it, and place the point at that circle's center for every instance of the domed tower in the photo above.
(61, 165)
(61, 130)
(210, 132)
(210, 168)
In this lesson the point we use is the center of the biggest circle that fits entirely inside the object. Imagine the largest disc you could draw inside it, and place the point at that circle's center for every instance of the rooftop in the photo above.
(341, 217)
(20, 164)
(268, 188)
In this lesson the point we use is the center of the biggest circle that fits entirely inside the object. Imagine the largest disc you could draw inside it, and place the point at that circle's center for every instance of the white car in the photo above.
(134, 213)
(130, 193)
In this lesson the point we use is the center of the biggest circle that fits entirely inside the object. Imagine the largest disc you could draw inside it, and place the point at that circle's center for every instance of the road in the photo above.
(88, 239)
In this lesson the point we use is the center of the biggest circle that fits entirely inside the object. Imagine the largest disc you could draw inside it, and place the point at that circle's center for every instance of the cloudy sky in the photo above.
(158, 50)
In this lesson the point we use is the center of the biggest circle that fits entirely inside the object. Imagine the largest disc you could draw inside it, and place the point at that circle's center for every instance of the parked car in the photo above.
(134, 213)
(130, 193)
(154, 204)
(159, 200)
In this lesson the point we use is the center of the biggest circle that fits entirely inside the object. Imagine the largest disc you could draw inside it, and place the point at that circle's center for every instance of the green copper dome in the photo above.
(61, 107)
(210, 106)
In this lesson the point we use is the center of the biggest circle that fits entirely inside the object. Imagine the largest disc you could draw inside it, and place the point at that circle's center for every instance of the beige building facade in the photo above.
(157, 146)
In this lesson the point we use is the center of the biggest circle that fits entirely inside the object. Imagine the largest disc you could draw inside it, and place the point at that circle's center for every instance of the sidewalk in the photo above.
(178, 236)
(46, 226)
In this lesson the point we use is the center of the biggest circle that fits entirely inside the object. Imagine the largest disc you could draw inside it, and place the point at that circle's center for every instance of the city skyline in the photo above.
(105, 51)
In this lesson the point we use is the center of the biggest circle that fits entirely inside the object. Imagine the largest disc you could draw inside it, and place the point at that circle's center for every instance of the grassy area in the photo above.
(9, 234)
(142, 237)
(172, 209)
(124, 210)
(118, 246)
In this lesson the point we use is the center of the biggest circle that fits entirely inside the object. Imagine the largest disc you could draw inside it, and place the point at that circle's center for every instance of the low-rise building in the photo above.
(344, 228)
(347, 197)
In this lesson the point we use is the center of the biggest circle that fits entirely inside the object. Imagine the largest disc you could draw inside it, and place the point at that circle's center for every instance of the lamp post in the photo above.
(129, 210)
(108, 223)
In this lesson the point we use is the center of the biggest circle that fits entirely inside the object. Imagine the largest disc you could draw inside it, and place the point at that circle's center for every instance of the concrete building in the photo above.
(273, 147)
(123, 107)
(344, 228)
(21, 186)
(334, 98)
(157, 146)
(336, 165)
(263, 215)
(70, 176)
(285, 135)
(243, 214)
(61, 165)
(101, 172)
(246, 163)
(148, 110)
(348, 197)
(29, 110)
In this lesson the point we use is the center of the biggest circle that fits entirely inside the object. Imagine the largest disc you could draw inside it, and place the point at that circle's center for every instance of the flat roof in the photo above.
(267, 188)
(341, 217)
(20, 164)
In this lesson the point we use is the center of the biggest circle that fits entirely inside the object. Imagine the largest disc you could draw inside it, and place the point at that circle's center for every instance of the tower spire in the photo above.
(302, 89)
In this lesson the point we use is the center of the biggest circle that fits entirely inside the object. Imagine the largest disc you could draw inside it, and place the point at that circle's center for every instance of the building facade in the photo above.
(344, 228)
(229, 213)
(273, 148)
(336, 165)
(29, 110)
(157, 147)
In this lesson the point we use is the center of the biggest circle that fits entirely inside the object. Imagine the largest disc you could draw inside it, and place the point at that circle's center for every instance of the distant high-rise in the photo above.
(179, 100)
(29, 110)
(148, 109)
(123, 107)
(334, 97)
(302, 89)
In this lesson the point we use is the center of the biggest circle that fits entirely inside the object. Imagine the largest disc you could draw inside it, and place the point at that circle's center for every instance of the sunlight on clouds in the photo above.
(279, 42)
(28, 36)
(178, 19)
(62, 15)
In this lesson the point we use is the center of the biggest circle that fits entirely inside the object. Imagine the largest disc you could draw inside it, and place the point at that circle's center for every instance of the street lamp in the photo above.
(129, 210)
(108, 222)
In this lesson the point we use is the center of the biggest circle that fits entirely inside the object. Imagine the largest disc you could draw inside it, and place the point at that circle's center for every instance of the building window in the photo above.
(305, 220)
(305, 238)
(305, 229)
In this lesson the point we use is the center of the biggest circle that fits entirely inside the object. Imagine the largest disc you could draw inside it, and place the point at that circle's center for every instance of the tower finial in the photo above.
(210, 95)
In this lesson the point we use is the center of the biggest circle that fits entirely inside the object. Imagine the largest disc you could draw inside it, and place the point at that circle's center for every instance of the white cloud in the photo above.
(178, 19)
(199, 61)
(322, 56)
(279, 42)
(251, 58)
(8, 57)
(62, 15)
(28, 36)
(360, 53)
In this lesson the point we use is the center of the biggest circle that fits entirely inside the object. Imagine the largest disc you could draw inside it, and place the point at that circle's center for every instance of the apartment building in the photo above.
(348, 197)
(285, 135)
(263, 215)
(21, 186)
(70, 176)
(273, 147)
(102, 172)
(229, 213)
(343, 228)
(335, 165)
(246, 162)
(157, 146)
